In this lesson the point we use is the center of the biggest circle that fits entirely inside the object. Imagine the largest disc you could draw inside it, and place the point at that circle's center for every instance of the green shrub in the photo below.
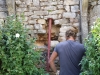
(17, 52)
(91, 62)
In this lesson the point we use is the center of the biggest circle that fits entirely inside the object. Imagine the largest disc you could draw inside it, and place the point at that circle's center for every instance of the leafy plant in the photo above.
(91, 60)
(17, 53)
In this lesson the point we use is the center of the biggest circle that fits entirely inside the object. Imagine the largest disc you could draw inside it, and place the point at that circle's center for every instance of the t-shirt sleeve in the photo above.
(56, 49)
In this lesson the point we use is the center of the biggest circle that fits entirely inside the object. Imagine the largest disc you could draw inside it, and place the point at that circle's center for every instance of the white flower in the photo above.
(17, 35)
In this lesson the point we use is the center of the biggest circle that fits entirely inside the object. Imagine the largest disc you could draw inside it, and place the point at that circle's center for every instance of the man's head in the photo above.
(71, 32)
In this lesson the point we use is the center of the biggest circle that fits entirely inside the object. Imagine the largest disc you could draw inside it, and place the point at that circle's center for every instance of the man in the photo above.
(70, 54)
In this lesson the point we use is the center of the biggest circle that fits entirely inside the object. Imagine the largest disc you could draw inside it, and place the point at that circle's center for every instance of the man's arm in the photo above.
(51, 61)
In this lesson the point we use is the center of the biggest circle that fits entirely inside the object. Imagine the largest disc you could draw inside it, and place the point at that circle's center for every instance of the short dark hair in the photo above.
(72, 31)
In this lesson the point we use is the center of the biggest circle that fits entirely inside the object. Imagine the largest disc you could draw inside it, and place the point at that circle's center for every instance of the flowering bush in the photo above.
(91, 60)
(17, 54)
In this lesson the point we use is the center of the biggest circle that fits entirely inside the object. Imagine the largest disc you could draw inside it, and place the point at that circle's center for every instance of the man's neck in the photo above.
(71, 38)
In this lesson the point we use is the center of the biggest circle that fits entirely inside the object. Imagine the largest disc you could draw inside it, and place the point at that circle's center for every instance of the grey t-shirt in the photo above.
(70, 54)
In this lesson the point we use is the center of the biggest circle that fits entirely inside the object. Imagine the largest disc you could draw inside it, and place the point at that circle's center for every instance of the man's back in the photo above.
(70, 54)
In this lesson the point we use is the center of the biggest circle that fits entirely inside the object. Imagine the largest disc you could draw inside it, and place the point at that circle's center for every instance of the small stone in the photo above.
(29, 26)
(17, 2)
(34, 8)
(67, 8)
(50, 8)
(41, 12)
(61, 21)
(34, 17)
(75, 8)
(94, 3)
(62, 34)
(60, 2)
(3, 15)
(53, 3)
(41, 21)
(28, 13)
(76, 24)
(54, 43)
(43, 0)
(36, 2)
(42, 31)
(60, 6)
(71, 2)
(32, 22)
(38, 26)
(51, 16)
(61, 39)
(69, 15)
(44, 3)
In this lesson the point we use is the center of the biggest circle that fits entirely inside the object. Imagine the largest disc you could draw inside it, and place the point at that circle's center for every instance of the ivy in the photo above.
(91, 61)
(17, 52)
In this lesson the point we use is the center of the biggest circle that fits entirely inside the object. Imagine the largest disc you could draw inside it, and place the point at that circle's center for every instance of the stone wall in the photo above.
(94, 11)
(3, 10)
(64, 12)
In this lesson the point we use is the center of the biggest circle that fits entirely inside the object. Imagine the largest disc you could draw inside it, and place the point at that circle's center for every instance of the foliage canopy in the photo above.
(17, 52)
(91, 61)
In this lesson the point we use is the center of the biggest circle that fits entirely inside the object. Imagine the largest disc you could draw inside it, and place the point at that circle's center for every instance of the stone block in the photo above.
(42, 31)
(28, 13)
(41, 12)
(60, 2)
(44, 3)
(51, 16)
(61, 21)
(69, 15)
(23, 6)
(35, 31)
(99, 2)
(3, 15)
(38, 26)
(62, 34)
(2, 9)
(60, 6)
(71, 2)
(32, 22)
(61, 39)
(28, 2)
(50, 8)
(74, 20)
(34, 17)
(75, 8)
(54, 43)
(56, 12)
(24, 9)
(29, 26)
(43, 0)
(18, 10)
(67, 8)
(59, 16)
(68, 24)
(36, 2)
(41, 21)
(53, 3)
(34, 8)
(76, 24)
(17, 2)
(65, 28)
(94, 3)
